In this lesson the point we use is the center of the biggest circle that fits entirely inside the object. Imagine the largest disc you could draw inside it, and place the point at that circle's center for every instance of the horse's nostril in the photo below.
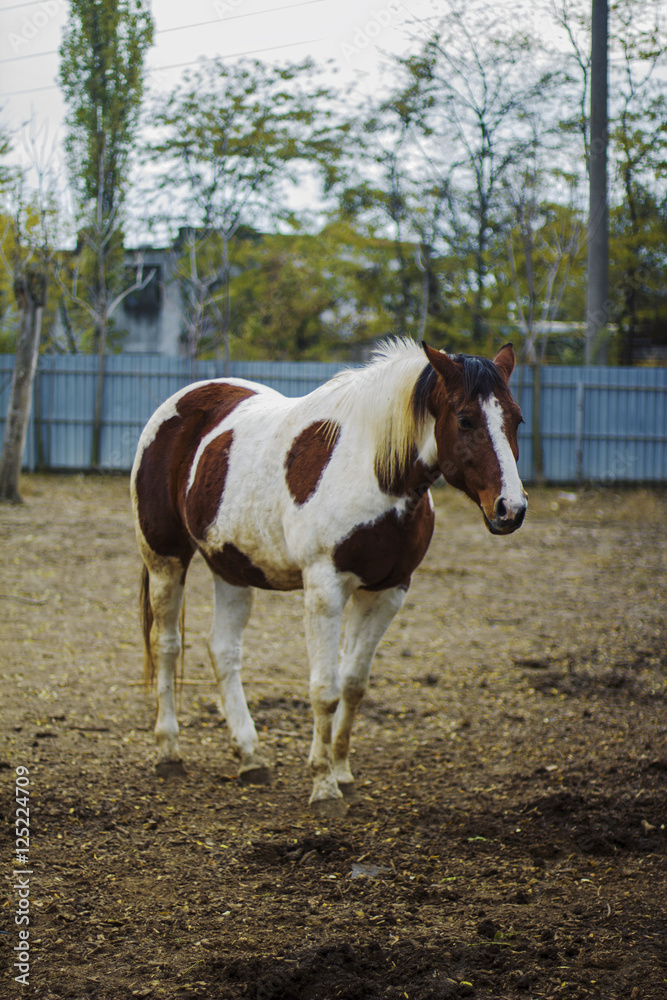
(501, 509)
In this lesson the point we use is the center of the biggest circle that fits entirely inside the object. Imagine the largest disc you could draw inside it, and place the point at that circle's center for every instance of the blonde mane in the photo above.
(380, 397)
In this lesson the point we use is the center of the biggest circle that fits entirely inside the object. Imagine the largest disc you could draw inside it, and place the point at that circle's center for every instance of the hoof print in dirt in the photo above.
(329, 808)
(487, 929)
(170, 769)
(349, 790)
(256, 776)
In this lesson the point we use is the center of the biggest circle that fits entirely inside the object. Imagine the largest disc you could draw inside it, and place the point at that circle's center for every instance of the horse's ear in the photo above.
(505, 361)
(449, 370)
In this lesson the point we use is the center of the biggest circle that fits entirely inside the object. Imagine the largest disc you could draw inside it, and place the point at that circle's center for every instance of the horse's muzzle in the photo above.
(506, 517)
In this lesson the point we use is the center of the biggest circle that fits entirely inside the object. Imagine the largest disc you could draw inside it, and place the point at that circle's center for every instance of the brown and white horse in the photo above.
(328, 492)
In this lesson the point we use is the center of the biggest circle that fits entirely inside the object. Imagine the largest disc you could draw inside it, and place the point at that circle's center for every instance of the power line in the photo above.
(179, 27)
(234, 17)
(231, 55)
(32, 90)
(32, 55)
(15, 6)
(192, 62)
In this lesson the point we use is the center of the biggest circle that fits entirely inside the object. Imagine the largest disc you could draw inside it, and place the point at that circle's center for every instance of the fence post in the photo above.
(538, 451)
(579, 433)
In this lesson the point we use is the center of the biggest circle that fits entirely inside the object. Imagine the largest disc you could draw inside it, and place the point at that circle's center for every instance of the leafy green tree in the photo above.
(638, 250)
(476, 83)
(231, 142)
(639, 146)
(28, 241)
(391, 194)
(102, 78)
(288, 298)
(7, 229)
(637, 156)
(544, 240)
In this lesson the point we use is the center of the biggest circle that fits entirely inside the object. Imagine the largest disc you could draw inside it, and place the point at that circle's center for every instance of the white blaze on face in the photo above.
(511, 489)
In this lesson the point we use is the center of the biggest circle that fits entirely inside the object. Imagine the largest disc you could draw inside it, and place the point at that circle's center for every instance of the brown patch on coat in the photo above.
(384, 553)
(210, 403)
(205, 494)
(157, 485)
(236, 568)
(308, 457)
(162, 476)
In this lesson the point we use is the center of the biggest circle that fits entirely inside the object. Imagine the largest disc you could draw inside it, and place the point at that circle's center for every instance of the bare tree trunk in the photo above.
(37, 422)
(69, 333)
(30, 292)
(102, 253)
(227, 310)
(479, 326)
(422, 257)
(597, 290)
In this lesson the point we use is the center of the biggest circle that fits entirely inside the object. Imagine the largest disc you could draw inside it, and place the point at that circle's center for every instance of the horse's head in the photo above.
(476, 424)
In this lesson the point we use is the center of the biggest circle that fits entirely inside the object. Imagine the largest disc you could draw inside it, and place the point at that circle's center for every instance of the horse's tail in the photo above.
(146, 618)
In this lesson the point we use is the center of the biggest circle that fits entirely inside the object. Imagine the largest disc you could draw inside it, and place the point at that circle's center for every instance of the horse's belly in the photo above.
(236, 567)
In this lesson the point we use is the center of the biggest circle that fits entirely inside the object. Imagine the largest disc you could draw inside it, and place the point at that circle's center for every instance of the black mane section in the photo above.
(421, 393)
(480, 376)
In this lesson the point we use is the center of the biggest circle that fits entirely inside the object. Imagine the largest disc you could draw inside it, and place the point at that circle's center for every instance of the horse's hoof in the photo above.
(329, 808)
(256, 776)
(349, 790)
(170, 769)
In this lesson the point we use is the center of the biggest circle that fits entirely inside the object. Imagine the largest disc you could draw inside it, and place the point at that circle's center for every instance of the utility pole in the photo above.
(597, 287)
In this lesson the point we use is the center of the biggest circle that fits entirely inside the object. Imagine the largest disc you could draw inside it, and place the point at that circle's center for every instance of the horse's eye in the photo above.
(465, 423)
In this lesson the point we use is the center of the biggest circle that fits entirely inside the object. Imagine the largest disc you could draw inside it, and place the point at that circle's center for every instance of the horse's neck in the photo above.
(375, 410)
(413, 477)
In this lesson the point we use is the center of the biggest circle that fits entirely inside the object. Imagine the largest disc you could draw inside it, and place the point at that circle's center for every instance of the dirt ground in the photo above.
(509, 835)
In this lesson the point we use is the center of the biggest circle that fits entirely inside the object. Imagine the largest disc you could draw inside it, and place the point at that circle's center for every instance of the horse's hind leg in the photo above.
(369, 618)
(225, 644)
(166, 584)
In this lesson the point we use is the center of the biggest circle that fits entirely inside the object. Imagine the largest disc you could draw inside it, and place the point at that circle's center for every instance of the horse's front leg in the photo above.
(324, 599)
(370, 616)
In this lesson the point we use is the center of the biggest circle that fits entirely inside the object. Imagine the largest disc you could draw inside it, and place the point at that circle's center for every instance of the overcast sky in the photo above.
(353, 33)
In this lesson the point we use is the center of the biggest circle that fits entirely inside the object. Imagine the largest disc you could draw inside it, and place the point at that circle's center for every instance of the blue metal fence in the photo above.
(598, 424)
